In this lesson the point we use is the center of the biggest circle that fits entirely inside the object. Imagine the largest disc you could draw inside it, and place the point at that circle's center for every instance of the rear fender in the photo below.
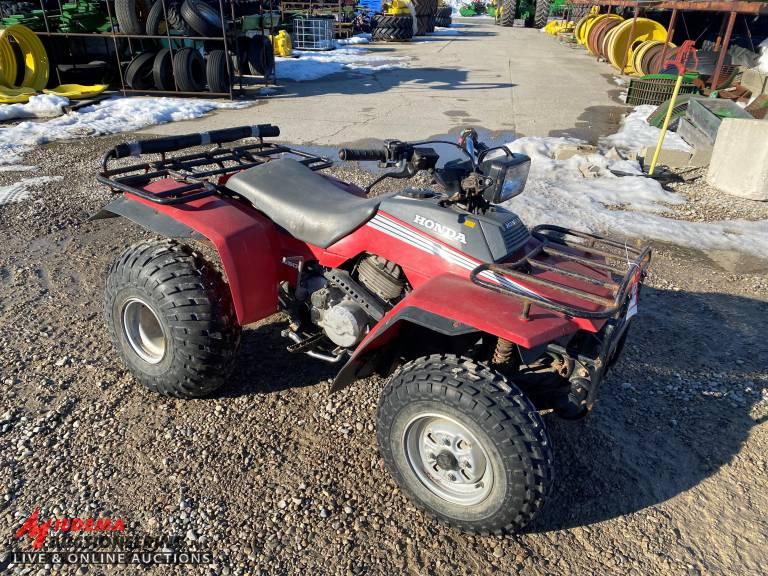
(247, 242)
(453, 305)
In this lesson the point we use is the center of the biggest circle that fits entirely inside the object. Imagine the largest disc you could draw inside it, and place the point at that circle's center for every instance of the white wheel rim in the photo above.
(143, 331)
(448, 459)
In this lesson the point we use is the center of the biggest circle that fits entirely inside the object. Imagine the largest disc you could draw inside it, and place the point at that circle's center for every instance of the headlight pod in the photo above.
(509, 175)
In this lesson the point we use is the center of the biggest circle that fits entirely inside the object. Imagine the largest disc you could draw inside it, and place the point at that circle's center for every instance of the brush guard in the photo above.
(621, 281)
(202, 173)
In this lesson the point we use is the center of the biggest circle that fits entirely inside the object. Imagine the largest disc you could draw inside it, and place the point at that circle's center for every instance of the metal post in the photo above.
(723, 51)
(668, 41)
(631, 35)
(226, 47)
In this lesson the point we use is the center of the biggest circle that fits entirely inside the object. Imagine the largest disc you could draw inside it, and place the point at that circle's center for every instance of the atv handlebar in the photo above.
(172, 143)
(363, 154)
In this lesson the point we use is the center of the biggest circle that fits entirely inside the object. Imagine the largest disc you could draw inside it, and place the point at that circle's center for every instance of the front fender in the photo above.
(453, 305)
(245, 239)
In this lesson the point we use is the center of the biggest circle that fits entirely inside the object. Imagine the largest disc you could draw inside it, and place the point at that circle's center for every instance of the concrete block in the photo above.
(667, 157)
(701, 157)
(691, 134)
(757, 82)
(739, 163)
(570, 150)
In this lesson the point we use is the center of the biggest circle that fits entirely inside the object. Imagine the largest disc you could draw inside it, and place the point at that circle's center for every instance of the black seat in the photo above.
(304, 203)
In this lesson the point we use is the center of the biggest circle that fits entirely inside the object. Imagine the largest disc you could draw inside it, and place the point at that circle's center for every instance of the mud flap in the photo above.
(146, 217)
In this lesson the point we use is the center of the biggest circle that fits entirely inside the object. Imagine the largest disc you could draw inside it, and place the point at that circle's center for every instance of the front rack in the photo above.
(570, 246)
(200, 173)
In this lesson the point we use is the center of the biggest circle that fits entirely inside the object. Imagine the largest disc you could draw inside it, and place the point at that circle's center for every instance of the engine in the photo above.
(341, 313)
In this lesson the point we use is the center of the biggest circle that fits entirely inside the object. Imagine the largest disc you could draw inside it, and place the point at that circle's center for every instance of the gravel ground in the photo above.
(273, 475)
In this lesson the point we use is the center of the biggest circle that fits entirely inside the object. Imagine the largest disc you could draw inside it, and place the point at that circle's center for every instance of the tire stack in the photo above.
(443, 17)
(389, 28)
(425, 16)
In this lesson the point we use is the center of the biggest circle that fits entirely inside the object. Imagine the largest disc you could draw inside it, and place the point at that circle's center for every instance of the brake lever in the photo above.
(408, 171)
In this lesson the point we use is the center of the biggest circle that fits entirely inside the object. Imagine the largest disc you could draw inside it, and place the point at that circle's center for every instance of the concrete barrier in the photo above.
(739, 164)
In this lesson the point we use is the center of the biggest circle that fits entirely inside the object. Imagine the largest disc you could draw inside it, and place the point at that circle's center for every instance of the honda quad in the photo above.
(478, 323)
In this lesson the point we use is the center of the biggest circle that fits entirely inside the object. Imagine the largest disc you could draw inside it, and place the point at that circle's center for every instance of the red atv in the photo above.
(478, 323)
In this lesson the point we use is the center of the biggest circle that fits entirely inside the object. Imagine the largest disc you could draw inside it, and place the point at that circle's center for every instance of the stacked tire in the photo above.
(443, 17)
(188, 17)
(389, 28)
(182, 70)
(426, 11)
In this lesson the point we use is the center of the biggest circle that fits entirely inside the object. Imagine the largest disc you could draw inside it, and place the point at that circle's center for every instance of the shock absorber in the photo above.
(503, 352)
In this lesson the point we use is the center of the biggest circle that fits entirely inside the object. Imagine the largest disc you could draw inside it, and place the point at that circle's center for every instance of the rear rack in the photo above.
(572, 246)
(200, 172)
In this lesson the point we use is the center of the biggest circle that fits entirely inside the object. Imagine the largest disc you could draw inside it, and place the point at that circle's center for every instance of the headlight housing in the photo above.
(509, 175)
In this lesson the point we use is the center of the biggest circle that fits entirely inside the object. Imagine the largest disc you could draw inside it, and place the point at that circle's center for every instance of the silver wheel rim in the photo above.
(448, 459)
(143, 331)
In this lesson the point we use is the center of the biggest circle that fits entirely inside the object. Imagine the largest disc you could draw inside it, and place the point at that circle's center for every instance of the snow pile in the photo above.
(21, 190)
(635, 133)
(314, 65)
(41, 106)
(363, 38)
(633, 206)
(762, 63)
(107, 117)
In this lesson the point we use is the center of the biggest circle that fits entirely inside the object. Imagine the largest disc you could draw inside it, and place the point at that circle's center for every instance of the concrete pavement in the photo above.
(510, 80)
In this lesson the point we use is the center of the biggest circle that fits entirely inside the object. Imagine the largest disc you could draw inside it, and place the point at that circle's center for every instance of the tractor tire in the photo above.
(138, 74)
(162, 71)
(508, 10)
(386, 21)
(171, 317)
(431, 24)
(261, 56)
(131, 15)
(422, 7)
(216, 71)
(189, 70)
(422, 25)
(157, 24)
(202, 17)
(542, 13)
(392, 34)
(465, 444)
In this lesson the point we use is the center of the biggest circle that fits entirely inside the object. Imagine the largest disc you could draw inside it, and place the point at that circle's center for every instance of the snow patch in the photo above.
(363, 38)
(628, 206)
(107, 117)
(40, 106)
(313, 65)
(635, 133)
(21, 190)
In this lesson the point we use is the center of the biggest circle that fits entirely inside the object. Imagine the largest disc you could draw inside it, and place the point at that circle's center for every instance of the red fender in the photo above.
(454, 305)
(246, 240)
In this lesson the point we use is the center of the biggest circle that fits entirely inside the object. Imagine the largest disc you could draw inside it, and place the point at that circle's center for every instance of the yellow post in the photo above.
(664, 127)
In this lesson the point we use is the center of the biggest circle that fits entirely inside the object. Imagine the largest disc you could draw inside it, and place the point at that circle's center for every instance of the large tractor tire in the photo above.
(465, 444)
(542, 13)
(171, 317)
(508, 9)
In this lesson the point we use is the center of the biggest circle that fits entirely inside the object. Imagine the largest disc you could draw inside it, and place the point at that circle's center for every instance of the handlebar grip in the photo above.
(362, 155)
(172, 143)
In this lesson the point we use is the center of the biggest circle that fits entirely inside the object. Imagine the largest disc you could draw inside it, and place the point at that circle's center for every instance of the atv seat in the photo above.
(307, 205)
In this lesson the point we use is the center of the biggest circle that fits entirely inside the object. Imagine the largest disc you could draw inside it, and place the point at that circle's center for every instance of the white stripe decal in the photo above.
(400, 232)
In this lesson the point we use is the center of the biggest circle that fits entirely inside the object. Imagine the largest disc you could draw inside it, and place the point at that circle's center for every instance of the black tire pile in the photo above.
(388, 28)
(426, 12)
(182, 69)
(443, 18)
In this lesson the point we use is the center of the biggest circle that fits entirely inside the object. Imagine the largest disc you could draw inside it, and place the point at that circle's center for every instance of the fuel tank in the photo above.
(489, 236)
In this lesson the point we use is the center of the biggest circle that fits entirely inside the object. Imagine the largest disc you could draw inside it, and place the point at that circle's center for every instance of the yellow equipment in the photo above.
(77, 91)
(35, 58)
(591, 25)
(624, 35)
(397, 8)
(281, 44)
(555, 27)
(15, 95)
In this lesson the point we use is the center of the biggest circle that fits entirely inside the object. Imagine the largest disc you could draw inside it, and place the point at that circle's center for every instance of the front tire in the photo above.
(466, 445)
(171, 319)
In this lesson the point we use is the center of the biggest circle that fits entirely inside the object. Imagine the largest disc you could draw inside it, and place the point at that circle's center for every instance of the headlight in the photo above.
(509, 174)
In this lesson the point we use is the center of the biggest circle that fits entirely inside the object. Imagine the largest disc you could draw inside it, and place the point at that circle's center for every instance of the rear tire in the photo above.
(542, 13)
(465, 444)
(171, 318)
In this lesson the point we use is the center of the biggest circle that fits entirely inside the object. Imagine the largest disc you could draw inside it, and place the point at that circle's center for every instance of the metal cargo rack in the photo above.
(570, 246)
(199, 174)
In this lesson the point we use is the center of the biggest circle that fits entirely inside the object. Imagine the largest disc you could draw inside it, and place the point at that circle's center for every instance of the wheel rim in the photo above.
(143, 331)
(448, 459)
